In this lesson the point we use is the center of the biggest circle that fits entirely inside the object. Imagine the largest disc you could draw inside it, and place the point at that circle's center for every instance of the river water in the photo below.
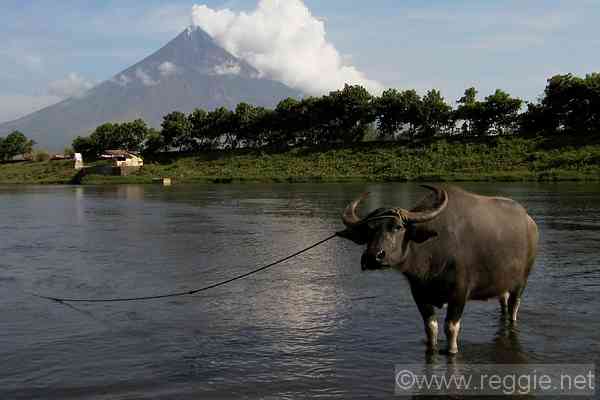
(315, 326)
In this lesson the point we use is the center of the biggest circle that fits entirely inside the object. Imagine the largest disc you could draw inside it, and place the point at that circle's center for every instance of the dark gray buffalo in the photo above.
(454, 246)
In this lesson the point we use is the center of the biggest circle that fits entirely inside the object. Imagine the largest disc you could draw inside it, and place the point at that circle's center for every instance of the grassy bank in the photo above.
(36, 172)
(488, 159)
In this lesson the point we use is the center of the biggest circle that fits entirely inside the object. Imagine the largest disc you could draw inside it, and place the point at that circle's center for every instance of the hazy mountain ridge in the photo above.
(188, 72)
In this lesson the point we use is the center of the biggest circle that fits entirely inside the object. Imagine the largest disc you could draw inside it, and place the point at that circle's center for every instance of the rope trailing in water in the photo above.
(186, 292)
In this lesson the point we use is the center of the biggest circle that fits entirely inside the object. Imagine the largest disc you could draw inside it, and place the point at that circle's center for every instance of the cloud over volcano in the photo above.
(284, 42)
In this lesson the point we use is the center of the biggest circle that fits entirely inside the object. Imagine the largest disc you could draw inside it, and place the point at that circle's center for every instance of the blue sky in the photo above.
(48, 46)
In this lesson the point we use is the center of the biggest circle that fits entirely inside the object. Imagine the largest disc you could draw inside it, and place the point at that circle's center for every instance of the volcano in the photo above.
(191, 71)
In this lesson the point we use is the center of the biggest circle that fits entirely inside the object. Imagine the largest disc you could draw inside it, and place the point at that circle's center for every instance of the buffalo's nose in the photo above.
(380, 256)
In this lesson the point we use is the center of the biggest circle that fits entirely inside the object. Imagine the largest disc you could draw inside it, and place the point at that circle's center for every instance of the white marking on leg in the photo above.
(504, 302)
(452, 328)
(431, 328)
(515, 309)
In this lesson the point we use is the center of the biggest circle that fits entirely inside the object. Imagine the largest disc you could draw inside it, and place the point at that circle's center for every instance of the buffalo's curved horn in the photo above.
(349, 217)
(424, 216)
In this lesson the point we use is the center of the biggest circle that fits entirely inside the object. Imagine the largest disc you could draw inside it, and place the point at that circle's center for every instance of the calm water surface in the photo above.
(316, 326)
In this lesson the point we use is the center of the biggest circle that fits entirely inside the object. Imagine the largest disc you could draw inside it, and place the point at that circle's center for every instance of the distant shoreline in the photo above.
(486, 159)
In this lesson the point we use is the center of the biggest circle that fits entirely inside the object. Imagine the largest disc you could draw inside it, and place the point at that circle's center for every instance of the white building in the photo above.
(123, 158)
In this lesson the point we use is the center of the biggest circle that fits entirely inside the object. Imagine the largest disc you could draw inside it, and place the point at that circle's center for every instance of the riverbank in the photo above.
(458, 159)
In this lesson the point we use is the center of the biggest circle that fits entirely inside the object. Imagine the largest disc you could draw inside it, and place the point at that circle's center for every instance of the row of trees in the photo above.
(15, 144)
(569, 104)
(133, 136)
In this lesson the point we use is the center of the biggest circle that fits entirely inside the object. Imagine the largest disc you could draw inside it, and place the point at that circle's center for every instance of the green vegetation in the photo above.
(569, 106)
(36, 172)
(446, 160)
(467, 159)
(41, 155)
(14, 144)
(131, 136)
(349, 134)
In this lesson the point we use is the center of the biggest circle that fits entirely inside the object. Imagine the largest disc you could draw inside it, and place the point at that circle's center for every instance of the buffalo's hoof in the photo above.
(431, 346)
(430, 351)
(449, 352)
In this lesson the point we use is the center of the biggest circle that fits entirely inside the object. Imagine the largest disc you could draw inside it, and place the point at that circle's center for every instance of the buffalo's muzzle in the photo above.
(368, 261)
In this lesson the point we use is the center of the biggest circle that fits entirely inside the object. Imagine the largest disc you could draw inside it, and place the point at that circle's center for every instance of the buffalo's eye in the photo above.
(397, 227)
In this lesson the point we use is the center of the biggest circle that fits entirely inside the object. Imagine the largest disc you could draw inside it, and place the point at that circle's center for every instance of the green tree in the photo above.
(198, 121)
(469, 111)
(398, 112)
(264, 126)
(153, 143)
(570, 104)
(412, 115)
(219, 126)
(391, 113)
(311, 117)
(176, 130)
(318, 121)
(561, 91)
(469, 98)
(350, 114)
(286, 123)
(502, 112)
(435, 114)
(497, 114)
(15, 143)
(590, 106)
(244, 125)
(252, 125)
(104, 137)
(131, 135)
(86, 146)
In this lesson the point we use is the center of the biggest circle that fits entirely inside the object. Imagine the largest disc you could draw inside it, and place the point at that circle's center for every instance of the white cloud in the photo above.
(167, 68)
(121, 80)
(17, 105)
(227, 68)
(145, 78)
(73, 85)
(284, 42)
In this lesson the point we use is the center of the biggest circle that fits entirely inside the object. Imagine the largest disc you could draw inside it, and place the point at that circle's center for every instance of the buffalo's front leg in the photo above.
(431, 326)
(504, 303)
(452, 328)
(514, 301)
(452, 325)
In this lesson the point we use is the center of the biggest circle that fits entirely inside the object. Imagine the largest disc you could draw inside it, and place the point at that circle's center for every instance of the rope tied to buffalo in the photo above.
(185, 292)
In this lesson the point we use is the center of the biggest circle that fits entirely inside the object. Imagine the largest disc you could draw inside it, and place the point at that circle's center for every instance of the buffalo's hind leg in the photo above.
(431, 325)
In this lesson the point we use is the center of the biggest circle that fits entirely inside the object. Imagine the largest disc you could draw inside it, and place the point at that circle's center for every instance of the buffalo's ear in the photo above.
(358, 236)
(420, 234)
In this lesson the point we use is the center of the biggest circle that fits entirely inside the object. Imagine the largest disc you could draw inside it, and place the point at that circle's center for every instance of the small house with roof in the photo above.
(124, 162)
(123, 158)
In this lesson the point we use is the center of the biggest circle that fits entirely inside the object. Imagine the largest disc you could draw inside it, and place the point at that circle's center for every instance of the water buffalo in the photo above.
(454, 246)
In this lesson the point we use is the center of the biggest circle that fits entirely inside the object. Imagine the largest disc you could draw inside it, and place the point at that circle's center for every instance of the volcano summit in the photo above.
(191, 71)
